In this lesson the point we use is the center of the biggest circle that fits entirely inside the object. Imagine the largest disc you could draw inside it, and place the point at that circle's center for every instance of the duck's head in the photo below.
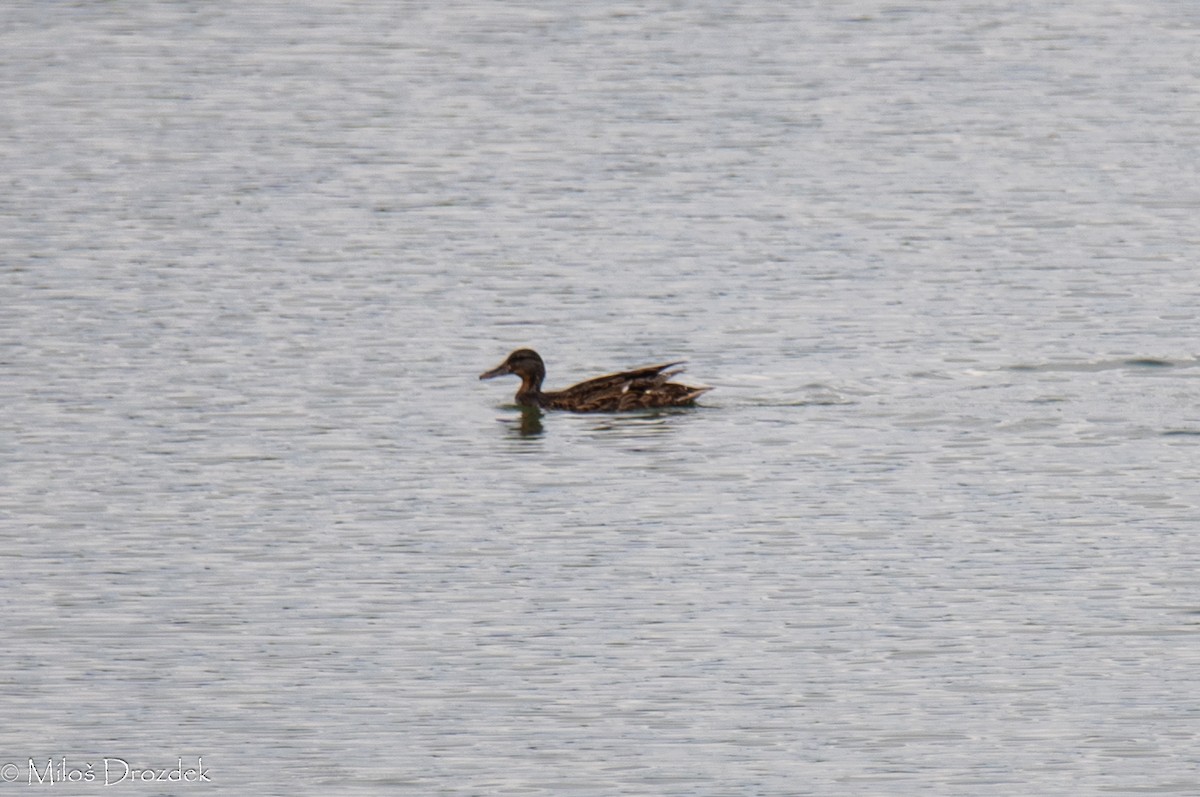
(525, 363)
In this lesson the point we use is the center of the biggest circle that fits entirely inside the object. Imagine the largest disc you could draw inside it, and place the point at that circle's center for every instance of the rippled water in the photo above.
(933, 532)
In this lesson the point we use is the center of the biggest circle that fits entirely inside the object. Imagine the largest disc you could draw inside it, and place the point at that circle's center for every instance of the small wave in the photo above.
(1100, 365)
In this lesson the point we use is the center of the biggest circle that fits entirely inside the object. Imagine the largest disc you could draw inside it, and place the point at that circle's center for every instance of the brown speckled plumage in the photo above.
(641, 388)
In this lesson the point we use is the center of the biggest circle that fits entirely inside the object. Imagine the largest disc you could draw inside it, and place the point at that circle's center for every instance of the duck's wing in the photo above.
(668, 394)
(626, 390)
(620, 380)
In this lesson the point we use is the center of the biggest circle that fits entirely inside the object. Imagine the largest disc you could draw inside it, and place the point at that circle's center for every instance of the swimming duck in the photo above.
(640, 388)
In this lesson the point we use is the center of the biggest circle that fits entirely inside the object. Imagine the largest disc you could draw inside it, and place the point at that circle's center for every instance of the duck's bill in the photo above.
(499, 370)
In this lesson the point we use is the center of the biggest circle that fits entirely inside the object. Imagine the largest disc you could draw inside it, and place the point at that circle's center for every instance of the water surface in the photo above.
(932, 533)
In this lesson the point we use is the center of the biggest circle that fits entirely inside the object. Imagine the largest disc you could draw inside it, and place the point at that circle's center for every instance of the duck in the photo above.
(641, 388)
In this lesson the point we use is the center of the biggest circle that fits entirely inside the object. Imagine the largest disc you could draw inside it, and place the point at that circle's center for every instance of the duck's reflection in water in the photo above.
(528, 424)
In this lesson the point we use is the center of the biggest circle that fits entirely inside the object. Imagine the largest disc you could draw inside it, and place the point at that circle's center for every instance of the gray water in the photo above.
(934, 532)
